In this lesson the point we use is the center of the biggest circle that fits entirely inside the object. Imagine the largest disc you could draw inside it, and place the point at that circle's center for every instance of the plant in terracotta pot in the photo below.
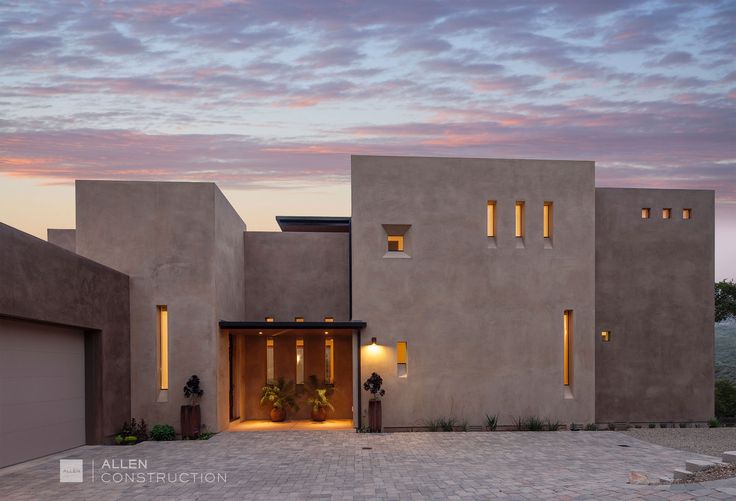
(319, 399)
(280, 395)
(373, 386)
(191, 415)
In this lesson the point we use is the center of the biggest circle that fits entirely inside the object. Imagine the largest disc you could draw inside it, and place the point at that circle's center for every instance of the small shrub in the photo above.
(652, 425)
(683, 425)
(491, 422)
(725, 398)
(135, 429)
(130, 440)
(518, 423)
(163, 432)
(714, 423)
(591, 427)
(463, 425)
(205, 435)
(533, 423)
(447, 424)
(119, 439)
(637, 426)
(552, 425)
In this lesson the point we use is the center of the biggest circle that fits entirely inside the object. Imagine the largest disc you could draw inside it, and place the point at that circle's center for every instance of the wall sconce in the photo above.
(269, 319)
(327, 332)
(605, 336)
(374, 342)
(260, 333)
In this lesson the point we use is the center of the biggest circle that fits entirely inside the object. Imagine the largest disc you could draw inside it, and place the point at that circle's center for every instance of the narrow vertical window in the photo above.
(401, 359)
(269, 361)
(163, 347)
(519, 219)
(666, 213)
(329, 361)
(299, 361)
(566, 346)
(547, 220)
(491, 218)
(645, 212)
(687, 213)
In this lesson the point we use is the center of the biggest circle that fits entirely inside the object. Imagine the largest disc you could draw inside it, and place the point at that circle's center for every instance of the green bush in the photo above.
(118, 439)
(591, 427)
(652, 425)
(442, 424)
(725, 399)
(714, 423)
(130, 440)
(163, 432)
(205, 435)
(491, 422)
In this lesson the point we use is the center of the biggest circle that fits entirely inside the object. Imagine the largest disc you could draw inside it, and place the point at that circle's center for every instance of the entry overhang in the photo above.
(349, 324)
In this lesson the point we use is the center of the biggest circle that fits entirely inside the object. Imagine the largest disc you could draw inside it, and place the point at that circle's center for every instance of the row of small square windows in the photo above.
(646, 213)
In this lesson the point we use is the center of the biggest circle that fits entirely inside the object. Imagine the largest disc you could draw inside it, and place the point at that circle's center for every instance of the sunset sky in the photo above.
(270, 98)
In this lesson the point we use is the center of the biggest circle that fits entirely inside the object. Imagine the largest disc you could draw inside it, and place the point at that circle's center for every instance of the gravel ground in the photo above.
(709, 441)
(715, 473)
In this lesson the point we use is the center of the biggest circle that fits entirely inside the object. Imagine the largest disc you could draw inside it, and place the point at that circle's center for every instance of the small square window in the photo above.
(605, 336)
(645, 213)
(666, 213)
(687, 213)
(396, 243)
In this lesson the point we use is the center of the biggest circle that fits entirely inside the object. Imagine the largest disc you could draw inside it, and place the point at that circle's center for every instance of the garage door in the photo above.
(42, 391)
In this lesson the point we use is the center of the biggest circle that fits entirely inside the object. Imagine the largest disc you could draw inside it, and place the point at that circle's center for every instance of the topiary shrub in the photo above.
(163, 432)
(130, 440)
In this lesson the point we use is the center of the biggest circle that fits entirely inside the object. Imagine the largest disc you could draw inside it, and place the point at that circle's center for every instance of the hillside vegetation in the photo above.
(726, 350)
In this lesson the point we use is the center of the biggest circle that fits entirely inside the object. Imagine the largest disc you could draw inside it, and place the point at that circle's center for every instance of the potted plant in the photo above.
(319, 399)
(191, 415)
(280, 395)
(373, 385)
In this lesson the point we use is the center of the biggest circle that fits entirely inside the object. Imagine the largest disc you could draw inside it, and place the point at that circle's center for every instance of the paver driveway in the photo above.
(347, 465)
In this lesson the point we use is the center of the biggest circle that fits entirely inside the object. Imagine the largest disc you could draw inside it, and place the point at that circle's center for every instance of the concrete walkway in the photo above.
(347, 465)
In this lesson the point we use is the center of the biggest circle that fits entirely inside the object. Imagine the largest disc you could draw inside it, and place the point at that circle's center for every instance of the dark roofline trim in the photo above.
(314, 223)
(350, 324)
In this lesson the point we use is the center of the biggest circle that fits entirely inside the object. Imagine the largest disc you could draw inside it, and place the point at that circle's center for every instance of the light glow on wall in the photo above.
(163, 347)
(666, 213)
(687, 213)
(645, 212)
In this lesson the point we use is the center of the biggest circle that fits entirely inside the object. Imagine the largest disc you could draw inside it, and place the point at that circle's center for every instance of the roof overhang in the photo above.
(350, 324)
(314, 224)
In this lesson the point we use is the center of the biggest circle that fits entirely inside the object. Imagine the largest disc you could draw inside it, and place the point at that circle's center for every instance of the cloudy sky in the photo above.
(269, 98)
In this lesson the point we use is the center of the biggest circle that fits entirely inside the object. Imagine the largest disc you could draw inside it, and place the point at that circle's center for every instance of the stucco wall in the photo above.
(66, 239)
(654, 292)
(484, 324)
(45, 283)
(296, 274)
(173, 243)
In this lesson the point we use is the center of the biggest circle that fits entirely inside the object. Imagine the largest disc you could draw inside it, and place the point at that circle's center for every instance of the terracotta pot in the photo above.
(319, 414)
(278, 415)
(191, 421)
(374, 416)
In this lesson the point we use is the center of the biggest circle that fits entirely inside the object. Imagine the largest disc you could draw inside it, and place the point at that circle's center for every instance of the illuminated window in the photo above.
(687, 213)
(645, 213)
(299, 361)
(666, 213)
(401, 359)
(396, 243)
(298, 319)
(519, 219)
(269, 361)
(329, 319)
(329, 361)
(547, 220)
(566, 347)
(605, 336)
(163, 347)
(269, 319)
(491, 218)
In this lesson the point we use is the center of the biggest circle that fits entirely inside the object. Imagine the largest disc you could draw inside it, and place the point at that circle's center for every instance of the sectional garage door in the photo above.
(42, 390)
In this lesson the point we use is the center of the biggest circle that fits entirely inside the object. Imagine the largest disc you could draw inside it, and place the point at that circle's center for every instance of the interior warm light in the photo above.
(645, 212)
(269, 319)
(260, 333)
(519, 219)
(396, 243)
(687, 213)
(298, 319)
(666, 213)
(327, 332)
(491, 218)
(329, 319)
(547, 220)
(163, 347)
(566, 342)
(605, 336)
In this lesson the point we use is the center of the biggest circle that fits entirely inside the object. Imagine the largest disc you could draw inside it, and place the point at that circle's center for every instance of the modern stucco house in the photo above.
(512, 287)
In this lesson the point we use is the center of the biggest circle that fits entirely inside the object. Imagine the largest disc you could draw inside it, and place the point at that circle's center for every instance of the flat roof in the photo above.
(348, 324)
(314, 223)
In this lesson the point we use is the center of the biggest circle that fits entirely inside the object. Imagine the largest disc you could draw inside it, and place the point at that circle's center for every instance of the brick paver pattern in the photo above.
(348, 465)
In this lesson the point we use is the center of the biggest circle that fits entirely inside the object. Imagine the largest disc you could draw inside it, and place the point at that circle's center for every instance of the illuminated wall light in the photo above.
(491, 215)
(298, 319)
(666, 213)
(329, 319)
(269, 319)
(327, 332)
(605, 336)
(566, 347)
(687, 213)
(519, 219)
(163, 347)
(646, 213)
